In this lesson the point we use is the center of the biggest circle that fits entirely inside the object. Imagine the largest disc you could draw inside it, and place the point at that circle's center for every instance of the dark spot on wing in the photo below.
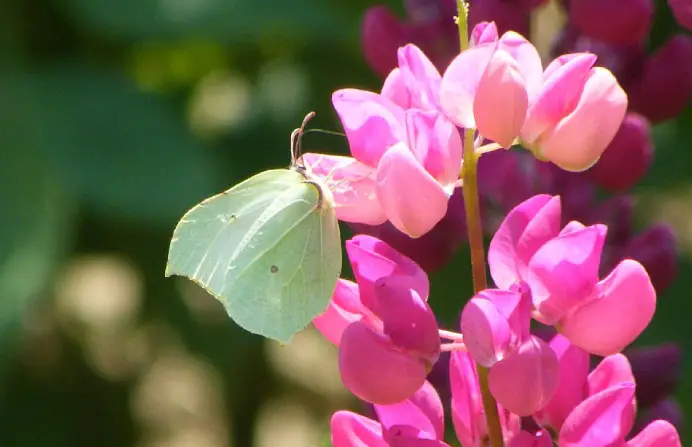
(274, 269)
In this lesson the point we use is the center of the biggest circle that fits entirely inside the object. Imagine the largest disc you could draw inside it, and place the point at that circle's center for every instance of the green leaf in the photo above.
(125, 154)
(231, 21)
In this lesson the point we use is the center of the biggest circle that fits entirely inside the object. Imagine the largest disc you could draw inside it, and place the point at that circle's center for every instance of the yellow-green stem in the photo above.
(475, 233)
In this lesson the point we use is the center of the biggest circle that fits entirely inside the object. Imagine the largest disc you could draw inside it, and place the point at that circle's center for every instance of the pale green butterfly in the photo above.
(269, 248)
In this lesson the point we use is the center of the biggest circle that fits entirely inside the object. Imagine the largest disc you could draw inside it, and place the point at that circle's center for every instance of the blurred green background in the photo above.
(118, 116)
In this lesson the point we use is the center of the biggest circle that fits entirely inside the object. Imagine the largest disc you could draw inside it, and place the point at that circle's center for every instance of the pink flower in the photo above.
(386, 333)
(489, 87)
(415, 422)
(406, 154)
(561, 269)
(523, 369)
(467, 405)
(576, 114)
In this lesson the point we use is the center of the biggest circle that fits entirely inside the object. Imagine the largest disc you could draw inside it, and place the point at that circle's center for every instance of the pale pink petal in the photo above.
(564, 272)
(423, 411)
(598, 421)
(372, 123)
(577, 142)
(487, 333)
(515, 307)
(421, 76)
(572, 227)
(526, 228)
(395, 89)
(436, 144)
(376, 371)
(460, 82)
(558, 96)
(412, 199)
(352, 185)
(572, 386)
(501, 100)
(353, 430)
(483, 32)
(528, 60)
(624, 306)
(659, 433)
(526, 380)
(344, 309)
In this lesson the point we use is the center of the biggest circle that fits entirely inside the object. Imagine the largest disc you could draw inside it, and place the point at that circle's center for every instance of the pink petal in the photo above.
(372, 123)
(408, 320)
(395, 89)
(460, 82)
(376, 371)
(572, 387)
(353, 430)
(423, 411)
(598, 421)
(659, 433)
(564, 272)
(483, 32)
(528, 60)
(526, 439)
(412, 199)
(612, 370)
(526, 380)
(577, 142)
(525, 229)
(624, 307)
(564, 83)
(344, 309)
(501, 100)
(421, 76)
(352, 185)
(487, 334)
(467, 406)
(436, 144)
(371, 259)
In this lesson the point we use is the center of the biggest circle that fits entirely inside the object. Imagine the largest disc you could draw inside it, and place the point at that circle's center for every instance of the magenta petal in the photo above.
(344, 309)
(412, 199)
(599, 419)
(624, 306)
(352, 185)
(460, 82)
(374, 370)
(525, 381)
(572, 386)
(467, 406)
(501, 100)
(421, 76)
(612, 370)
(483, 32)
(564, 272)
(659, 433)
(525, 439)
(408, 320)
(487, 334)
(526, 228)
(372, 123)
(353, 430)
(396, 90)
(423, 411)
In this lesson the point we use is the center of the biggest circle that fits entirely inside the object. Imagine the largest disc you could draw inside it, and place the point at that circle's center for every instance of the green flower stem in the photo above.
(469, 175)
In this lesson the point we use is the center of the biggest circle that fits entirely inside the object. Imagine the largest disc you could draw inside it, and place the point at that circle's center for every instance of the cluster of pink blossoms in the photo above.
(407, 146)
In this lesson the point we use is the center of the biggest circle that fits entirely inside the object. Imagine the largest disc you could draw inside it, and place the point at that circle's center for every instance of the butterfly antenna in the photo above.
(296, 137)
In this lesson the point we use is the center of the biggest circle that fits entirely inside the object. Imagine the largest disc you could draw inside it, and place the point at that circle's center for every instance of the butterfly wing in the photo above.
(260, 249)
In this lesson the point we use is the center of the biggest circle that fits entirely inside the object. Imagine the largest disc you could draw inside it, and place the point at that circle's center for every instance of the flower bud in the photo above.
(615, 21)
(682, 10)
(664, 87)
(656, 371)
(656, 250)
(631, 147)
